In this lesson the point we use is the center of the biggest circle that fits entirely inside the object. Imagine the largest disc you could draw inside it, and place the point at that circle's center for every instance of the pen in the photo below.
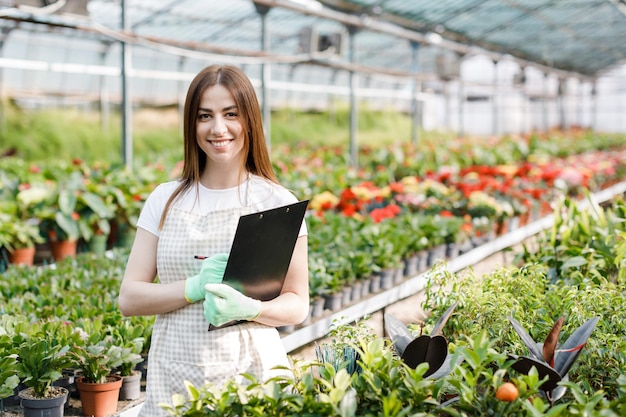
(199, 257)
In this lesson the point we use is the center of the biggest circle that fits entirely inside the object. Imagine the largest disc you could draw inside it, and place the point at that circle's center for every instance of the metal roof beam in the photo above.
(374, 24)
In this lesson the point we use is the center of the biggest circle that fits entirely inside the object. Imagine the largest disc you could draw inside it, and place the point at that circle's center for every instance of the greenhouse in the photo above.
(461, 169)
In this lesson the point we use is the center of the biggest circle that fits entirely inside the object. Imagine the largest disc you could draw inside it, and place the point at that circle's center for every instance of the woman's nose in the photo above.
(219, 127)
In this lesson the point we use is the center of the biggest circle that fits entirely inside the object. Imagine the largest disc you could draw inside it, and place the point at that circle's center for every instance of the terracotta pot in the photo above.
(63, 249)
(99, 400)
(22, 256)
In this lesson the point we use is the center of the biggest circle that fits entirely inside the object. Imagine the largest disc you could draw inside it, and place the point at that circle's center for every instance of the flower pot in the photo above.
(375, 283)
(411, 265)
(346, 295)
(365, 287)
(63, 249)
(43, 407)
(387, 277)
(399, 275)
(98, 244)
(22, 256)
(317, 309)
(453, 250)
(99, 400)
(333, 301)
(356, 290)
(131, 386)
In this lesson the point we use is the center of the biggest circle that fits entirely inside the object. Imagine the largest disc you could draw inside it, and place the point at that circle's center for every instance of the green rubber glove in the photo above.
(223, 304)
(212, 272)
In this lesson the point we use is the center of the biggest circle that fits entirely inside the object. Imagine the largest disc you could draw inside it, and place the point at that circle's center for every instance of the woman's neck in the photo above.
(222, 179)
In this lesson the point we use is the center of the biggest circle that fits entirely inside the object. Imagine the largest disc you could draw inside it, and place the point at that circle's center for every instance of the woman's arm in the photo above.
(292, 305)
(139, 294)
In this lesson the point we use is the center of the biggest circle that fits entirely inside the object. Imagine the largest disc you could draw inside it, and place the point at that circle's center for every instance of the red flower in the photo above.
(396, 187)
(348, 194)
(348, 210)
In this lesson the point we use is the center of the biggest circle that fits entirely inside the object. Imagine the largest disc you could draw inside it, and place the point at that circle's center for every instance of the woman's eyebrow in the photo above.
(227, 108)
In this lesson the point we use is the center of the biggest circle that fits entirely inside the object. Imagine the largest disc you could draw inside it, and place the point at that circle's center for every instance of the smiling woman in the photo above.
(226, 174)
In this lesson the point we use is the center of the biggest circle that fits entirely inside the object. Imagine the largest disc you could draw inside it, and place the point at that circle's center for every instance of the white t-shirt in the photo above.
(262, 195)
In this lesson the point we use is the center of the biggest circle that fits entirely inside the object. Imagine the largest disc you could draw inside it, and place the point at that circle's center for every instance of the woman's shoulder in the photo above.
(165, 189)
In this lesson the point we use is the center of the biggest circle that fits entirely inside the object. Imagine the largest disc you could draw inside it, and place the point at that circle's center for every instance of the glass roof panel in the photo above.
(582, 36)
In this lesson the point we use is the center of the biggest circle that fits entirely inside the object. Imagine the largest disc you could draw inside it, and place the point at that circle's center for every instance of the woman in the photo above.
(227, 173)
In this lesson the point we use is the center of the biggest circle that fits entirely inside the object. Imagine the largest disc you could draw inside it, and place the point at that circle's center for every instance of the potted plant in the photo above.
(130, 191)
(129, 337)
(9, 380)
(40, 361)
(19, 237)
(72, 213)
(98, 387)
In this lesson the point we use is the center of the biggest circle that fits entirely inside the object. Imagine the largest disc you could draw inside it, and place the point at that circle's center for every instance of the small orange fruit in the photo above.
(507, 392)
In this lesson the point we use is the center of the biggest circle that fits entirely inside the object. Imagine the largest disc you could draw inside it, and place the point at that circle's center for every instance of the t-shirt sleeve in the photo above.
(150, 215)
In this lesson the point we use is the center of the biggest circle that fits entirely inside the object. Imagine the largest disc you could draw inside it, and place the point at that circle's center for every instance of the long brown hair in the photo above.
(255, 156)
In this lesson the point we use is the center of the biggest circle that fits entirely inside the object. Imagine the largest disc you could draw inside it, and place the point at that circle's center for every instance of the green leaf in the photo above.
(574, 262)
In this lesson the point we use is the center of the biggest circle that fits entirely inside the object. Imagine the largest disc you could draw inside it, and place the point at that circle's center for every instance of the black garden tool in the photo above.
(432, 349)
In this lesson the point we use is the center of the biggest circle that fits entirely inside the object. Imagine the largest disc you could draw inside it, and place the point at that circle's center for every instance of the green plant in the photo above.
(41, 358)
(16, 233)
(96, 360)
(71, 211)
(9, 378)
(130, 337)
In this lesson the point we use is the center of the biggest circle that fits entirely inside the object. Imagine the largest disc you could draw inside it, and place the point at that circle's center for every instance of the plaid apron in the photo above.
(182, 348)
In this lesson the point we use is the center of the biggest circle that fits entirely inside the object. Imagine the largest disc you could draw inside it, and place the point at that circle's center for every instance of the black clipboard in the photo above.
(261, 252)
(262, 248)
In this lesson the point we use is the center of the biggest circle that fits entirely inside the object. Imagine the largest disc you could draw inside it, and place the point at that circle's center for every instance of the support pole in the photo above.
(561, 101)
(526, 115)
(415, 105)
(354, 105)
(127, 108)
(3, 94)
(594, 106)
(180, 88)
(494, 101)
(545, 102)
(263, 10)
(105, 102)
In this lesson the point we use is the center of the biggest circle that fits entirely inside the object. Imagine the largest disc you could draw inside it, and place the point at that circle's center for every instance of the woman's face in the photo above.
(218, 128)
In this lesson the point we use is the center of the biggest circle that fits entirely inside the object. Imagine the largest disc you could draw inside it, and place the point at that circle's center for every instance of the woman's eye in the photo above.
(231, 115)
(204, 116)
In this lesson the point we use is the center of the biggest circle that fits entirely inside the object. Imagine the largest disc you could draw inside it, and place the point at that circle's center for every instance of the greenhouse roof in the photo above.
(575, 37)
